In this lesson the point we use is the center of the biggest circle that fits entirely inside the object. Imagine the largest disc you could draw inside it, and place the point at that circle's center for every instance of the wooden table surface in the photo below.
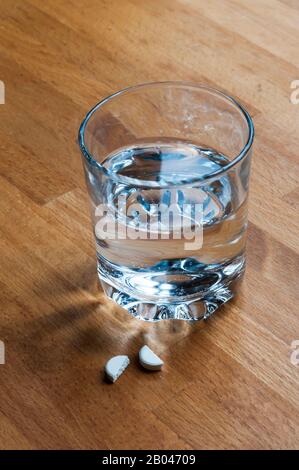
(228, 382)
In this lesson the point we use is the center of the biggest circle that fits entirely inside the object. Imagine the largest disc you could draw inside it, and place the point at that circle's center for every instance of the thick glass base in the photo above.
(194, 295)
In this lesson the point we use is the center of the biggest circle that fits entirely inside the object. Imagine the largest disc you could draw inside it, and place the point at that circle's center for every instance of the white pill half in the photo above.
(115, 367)
(149, 360)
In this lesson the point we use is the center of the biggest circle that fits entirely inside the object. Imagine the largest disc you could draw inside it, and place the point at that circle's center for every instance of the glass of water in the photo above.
(167, 170)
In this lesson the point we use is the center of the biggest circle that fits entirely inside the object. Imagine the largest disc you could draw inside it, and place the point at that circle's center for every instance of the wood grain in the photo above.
(228, 383)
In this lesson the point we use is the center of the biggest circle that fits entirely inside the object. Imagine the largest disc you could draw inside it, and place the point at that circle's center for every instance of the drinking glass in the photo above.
(167, 171)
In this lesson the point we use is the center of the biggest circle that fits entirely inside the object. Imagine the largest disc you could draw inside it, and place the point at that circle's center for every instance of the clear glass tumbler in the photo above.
(167, 170)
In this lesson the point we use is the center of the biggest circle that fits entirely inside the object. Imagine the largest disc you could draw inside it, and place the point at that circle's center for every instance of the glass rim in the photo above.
(156, 184)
